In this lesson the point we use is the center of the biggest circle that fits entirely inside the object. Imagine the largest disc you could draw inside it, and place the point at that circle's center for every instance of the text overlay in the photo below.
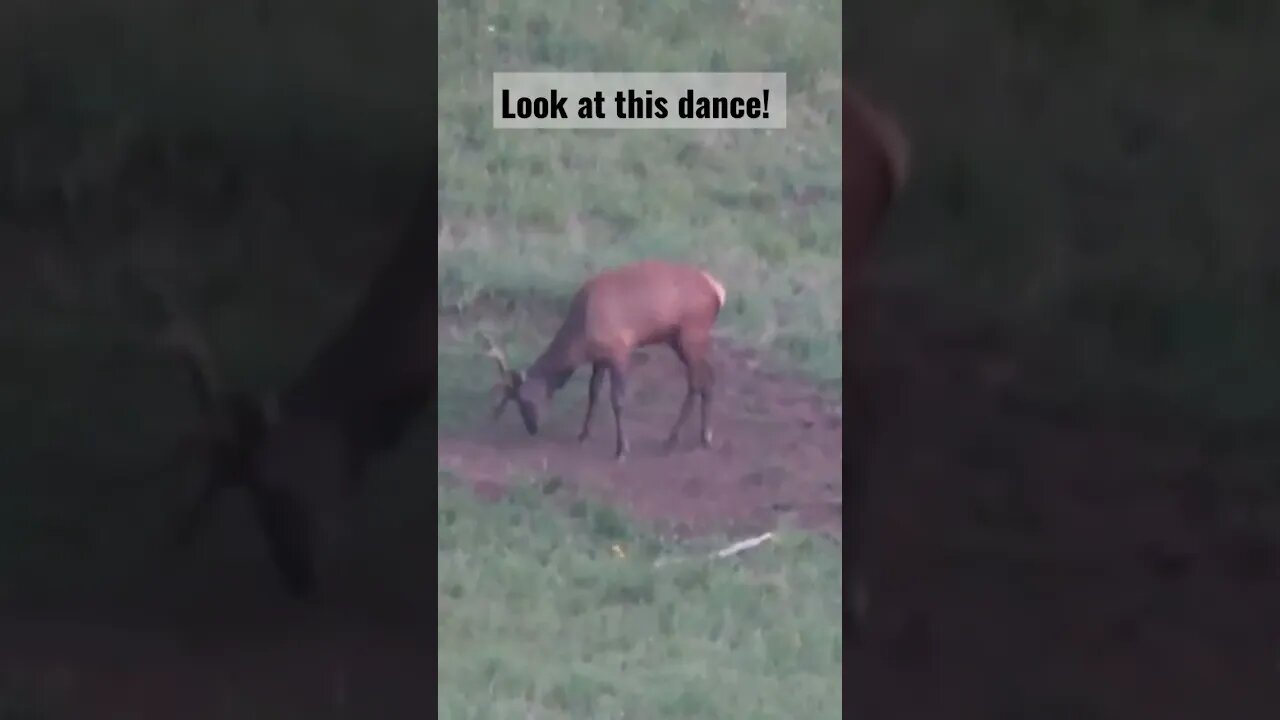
(640, 101)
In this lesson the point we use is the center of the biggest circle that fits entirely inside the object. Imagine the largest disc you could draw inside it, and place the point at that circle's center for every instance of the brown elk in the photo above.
(876, 162)
(613, 314)
(302, 452)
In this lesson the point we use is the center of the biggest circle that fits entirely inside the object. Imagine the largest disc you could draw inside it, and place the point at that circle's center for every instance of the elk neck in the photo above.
(566, 351)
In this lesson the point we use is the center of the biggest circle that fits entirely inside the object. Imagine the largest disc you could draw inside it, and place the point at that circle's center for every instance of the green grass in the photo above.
(541, 617)
(532, 212)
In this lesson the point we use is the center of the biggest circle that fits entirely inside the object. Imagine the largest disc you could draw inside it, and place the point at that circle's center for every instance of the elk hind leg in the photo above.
(697, 348)
(693, 349)
(593, 389)
(686, 406)
(706, 380)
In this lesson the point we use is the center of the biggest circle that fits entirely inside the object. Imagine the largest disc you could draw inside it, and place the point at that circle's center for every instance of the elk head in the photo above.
(515, 386)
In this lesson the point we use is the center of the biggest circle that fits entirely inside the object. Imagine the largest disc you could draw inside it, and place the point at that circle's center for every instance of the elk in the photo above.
(876, 159)
(613, 314)
(303, 451)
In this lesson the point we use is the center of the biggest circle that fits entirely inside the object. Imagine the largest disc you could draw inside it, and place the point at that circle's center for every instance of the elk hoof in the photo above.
(670, 444)
(582, 436)
(706, 440)
(620, 456)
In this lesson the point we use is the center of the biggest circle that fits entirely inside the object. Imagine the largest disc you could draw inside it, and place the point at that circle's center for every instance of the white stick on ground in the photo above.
(733, 549)
(747, 544)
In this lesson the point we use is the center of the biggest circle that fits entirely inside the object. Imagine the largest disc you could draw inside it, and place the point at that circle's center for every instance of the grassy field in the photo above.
(560, 613)
(539, 616)
(534, 211)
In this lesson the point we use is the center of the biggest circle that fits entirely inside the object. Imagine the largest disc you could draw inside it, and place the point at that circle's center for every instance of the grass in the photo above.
(531, 212)
(541, 617)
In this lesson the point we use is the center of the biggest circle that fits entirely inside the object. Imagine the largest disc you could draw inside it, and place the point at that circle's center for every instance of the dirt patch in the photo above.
(776, 449)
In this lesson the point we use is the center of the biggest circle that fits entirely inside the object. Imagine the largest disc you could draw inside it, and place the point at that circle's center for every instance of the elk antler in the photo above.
(504, 385)
(494, 352)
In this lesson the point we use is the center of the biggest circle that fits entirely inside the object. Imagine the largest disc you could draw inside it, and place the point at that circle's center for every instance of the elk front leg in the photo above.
(593, 388)
(617, 391)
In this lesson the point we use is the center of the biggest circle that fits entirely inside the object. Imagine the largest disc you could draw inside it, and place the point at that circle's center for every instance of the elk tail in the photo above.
(717, 287)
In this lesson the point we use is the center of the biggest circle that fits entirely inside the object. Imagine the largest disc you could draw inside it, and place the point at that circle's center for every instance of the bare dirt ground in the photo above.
(1027, 563)
(776, 449)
